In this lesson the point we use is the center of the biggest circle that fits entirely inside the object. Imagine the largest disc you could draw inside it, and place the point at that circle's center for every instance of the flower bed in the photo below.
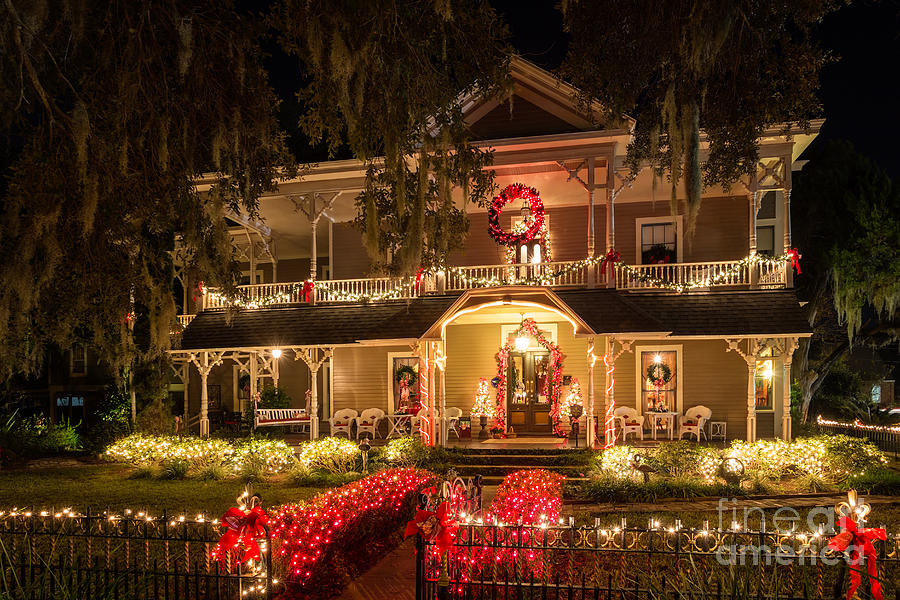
(268, 456)
(333, 538)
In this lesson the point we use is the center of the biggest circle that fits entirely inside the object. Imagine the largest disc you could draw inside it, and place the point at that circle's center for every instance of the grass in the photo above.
(113, 486)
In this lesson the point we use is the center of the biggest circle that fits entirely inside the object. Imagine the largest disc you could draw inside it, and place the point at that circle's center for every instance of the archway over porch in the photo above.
(462, 346)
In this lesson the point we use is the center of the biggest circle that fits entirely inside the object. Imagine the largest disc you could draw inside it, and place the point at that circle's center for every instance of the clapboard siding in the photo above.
(350, 260)
(722, 229)
(361, 377)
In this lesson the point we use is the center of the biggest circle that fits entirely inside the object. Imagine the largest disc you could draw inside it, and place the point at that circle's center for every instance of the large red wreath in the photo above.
(516, 191)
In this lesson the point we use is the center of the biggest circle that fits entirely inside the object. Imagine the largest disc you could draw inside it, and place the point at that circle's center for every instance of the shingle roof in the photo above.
(605, 311)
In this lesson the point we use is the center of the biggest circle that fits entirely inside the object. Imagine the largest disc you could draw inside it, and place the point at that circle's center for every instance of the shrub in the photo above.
(35, 436)
(529, 496)
(875, 481)
(275, 456)
(174, 468)
(407, 451)
(609, 488)
(329, 454)
(335, 536)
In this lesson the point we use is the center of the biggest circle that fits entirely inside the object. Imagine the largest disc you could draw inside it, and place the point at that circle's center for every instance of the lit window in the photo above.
(659, 385)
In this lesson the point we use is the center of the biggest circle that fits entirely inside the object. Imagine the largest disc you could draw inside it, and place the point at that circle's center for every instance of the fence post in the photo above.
(420, 568)
(269, 551)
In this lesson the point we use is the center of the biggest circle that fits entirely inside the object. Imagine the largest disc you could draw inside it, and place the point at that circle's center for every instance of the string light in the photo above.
(424, 401)
(609, 421)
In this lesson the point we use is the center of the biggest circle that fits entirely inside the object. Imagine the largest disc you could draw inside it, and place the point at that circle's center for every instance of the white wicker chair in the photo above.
(630, 421)
(693, 421)
(341, 421)
(453, 415)
(367, 422)
(416, 421)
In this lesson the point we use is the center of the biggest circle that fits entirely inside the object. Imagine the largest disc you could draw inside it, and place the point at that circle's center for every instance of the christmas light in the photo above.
(609, 418)
(483, 405)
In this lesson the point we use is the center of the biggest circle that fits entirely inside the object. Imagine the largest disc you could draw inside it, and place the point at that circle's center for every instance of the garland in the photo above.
(556, 360)
(516, 191)
(609, 260)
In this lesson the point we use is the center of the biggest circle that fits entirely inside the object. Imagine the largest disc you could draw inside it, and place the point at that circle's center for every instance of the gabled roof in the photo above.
(594, 312)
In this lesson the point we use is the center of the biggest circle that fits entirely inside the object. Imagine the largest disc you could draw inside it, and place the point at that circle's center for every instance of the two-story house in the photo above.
(593, 280)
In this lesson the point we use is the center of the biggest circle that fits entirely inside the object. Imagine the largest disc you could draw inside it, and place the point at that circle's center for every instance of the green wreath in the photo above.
(407, 371)
(659, 372)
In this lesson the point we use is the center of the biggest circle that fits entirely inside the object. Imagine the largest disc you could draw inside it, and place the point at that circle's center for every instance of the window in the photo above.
(78, 364)
(765, 385)
(765, 240)
(258, 277)
(657, 240)
(531, 252)
(659, 380)
(403, 382)
(767, 208)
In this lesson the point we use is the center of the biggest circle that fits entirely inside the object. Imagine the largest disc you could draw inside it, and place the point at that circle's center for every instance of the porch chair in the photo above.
(630, 421)
(416, 421)
(453, 416)
(694, 421)
(341, 421)
(367, 422)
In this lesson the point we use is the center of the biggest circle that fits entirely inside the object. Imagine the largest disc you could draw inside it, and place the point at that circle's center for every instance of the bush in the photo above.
(407, 451)
(112, 413)
(609, 488)
(329, 455)
(529, 497)
(875, 481)
(37, 436)
(334, 537)
(275, 456)
(174, 468)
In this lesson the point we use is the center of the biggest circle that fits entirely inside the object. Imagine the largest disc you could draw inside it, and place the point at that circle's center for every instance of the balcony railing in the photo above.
(573, 274)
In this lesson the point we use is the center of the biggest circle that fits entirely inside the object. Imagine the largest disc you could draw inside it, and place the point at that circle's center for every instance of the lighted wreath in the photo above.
(659, 373)
(406, 371)
(512, 192)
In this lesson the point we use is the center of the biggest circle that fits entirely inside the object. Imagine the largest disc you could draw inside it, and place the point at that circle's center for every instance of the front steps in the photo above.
(494, 464)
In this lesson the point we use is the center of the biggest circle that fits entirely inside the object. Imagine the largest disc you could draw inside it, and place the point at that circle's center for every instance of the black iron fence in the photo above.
(502, 562)
(885, 438)
(100, 555)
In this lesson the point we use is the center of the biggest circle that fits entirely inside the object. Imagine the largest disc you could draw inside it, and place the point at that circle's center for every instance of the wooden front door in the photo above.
(527, 392)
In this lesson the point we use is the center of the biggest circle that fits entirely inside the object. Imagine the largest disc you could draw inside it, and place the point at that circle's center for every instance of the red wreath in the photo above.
(516, 191)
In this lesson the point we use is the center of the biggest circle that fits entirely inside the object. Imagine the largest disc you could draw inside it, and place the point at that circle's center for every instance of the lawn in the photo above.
(109, 486)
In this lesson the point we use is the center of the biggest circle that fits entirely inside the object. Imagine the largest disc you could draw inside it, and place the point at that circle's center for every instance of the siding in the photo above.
(361, 376)
(350, 258)
(722, 228)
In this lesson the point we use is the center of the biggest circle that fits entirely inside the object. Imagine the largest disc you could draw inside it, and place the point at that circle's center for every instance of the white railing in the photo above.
(554, 274)
(185, 320)
(701, 275)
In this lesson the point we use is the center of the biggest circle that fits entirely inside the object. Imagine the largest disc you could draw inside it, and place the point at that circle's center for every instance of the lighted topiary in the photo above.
(574, 397)
(407, 451)
(330, 454)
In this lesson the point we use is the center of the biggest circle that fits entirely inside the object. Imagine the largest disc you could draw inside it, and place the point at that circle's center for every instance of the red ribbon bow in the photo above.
(859, 541)
(244, 528)
(419, 274)
(434, 526)
(795, 256)
(611, 258)
(307, 289)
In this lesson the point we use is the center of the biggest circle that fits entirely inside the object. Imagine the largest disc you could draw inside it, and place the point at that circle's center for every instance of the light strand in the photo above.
(609, 423)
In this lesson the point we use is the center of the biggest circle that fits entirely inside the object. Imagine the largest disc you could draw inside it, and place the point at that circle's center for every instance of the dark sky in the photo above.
(860, 90)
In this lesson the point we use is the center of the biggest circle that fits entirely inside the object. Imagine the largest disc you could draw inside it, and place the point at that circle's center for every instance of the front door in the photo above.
(528, 392)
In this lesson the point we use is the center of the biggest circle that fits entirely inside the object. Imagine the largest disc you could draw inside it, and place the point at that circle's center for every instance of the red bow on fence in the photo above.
(419, 274)
(794, 256)
(244, 528)
(434, 526)
(611, 258)
(859, 542)
(306, 290)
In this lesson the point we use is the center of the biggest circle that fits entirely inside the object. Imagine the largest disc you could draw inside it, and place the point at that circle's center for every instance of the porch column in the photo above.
(204, 365)
(610, 224)
(186, 378)
(591, 184)
(787, 358)
(788, 272)
(751, 399)
(441, 364)
(274, 369)
(314, 362)
(609, 397)
(254, 375)
(431, 398)
(754, 208)
(590, 430)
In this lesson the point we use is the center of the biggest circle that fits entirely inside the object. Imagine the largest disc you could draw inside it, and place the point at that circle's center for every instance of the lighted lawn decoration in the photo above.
(856, 539)
(555, 374)
(245, 540)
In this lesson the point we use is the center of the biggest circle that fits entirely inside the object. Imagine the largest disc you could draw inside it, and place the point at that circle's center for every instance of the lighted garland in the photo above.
(556, 359)
(512, 192)
(543, 237)
(398, 290)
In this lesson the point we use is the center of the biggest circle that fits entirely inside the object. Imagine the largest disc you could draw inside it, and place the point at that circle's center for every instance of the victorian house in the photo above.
(576, 285)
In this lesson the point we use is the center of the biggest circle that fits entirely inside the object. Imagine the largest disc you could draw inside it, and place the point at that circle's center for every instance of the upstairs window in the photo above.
(78, 362)
(659, 244)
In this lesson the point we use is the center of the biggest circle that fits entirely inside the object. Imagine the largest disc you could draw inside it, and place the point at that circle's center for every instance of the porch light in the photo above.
(276, 353)
(657, 359)
(522, 343)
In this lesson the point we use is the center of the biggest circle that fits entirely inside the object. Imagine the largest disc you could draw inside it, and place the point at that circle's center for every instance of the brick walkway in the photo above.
(394, 577)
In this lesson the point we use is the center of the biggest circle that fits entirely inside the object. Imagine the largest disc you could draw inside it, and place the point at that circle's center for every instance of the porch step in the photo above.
(494, 464)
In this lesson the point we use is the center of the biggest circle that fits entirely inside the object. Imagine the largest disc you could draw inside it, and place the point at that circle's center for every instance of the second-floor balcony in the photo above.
(757, 273)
